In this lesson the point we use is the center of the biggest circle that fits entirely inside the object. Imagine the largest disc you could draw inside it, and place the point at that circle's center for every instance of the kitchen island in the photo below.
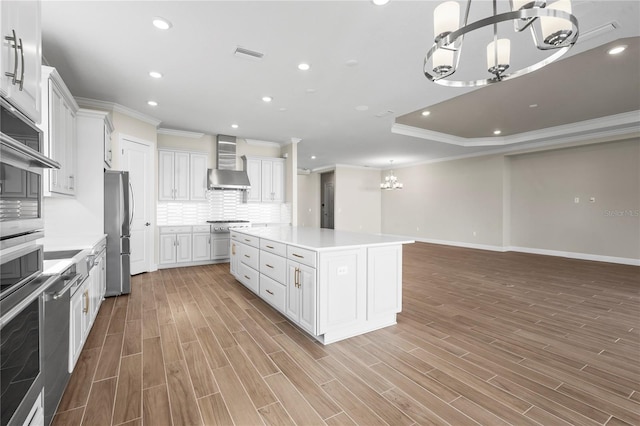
(332, 284)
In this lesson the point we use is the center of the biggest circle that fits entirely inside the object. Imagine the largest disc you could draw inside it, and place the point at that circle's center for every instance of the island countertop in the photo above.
(321, 239)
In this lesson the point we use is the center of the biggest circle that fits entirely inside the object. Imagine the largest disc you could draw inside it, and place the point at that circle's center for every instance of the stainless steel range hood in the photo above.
(225, 175)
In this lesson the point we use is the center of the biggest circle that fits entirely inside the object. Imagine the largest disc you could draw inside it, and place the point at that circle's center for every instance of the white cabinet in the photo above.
(175, 244)
(182, 175)
(266, 176)
(107, 144)
(201, 246)
(21, 56)
(80, 320)
(235, 257)
(58, 126)
(219, 248)
(301, 295)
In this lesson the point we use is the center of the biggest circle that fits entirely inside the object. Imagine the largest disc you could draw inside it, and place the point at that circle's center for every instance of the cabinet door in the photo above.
(23, 17)
(293, 295)
(167, 248)
(181, 176)
(183, 252)
(70, 142)
(103, 276)
(198, 176)
(220, 248)
(233, 263)
(75, 328)
(277, 181)
(253, 168)
(166, 161)
(108, 150)
(307, 294)
(267, 184)
(201, 247)
(57, 130)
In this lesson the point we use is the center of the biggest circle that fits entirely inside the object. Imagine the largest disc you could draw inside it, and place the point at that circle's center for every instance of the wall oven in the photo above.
(21, 164)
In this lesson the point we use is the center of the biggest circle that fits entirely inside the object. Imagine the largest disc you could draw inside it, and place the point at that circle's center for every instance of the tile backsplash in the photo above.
(221, 205)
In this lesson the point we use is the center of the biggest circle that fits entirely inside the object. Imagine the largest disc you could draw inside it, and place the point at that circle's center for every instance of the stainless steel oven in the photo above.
(21, 325)
(21, 164)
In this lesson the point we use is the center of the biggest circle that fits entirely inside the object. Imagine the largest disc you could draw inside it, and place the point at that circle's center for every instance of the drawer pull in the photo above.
(271, 247)
(268, 266)
(297, 255)
(247, 256)
(247, 277)
(247, 240)
(270, 292)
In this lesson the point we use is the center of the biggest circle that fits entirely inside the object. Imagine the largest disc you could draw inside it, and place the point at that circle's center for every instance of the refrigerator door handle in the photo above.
(133, 204)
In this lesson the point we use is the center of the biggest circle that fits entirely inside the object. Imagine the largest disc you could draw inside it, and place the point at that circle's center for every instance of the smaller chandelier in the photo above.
(391, 181)
(552, 26)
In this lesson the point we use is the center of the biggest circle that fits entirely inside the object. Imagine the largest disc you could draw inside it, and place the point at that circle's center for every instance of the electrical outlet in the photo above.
(592, 199)
(576, 200)
(475, 234)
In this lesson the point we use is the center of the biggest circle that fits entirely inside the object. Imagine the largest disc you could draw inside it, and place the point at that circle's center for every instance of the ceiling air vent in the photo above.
(386, 113)
(598, 31)
(241, 52)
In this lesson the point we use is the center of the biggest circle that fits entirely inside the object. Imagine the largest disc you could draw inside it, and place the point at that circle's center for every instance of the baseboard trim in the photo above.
(544, 252)
(575, 255)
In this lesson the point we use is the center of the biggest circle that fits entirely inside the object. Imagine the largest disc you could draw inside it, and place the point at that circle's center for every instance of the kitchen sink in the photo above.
(62, 254)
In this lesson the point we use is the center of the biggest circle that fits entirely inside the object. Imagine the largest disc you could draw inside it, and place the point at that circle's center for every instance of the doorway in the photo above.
(327, 195)
(137, 159)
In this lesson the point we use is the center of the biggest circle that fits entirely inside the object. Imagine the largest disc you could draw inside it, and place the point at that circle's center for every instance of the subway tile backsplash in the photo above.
(221, 205)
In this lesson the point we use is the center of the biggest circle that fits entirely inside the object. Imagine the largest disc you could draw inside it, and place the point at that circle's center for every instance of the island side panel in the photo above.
(384, 276)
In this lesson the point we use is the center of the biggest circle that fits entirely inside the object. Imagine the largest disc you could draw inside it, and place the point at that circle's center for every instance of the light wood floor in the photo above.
(488, 338)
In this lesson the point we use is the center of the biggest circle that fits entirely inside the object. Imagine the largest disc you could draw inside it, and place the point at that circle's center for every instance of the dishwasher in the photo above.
(55, 360)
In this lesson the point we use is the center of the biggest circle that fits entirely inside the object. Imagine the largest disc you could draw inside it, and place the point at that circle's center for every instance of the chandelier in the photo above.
(390, 181)
(552, 27)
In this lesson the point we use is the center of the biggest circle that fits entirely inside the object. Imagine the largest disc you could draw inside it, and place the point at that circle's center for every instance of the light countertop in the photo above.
(74, 242)
(320, 239)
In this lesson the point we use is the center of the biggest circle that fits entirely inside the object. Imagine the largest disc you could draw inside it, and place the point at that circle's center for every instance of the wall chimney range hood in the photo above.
(225, 175)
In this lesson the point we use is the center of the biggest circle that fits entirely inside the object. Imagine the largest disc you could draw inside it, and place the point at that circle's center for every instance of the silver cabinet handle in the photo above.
(72, 181)
(21, 81)
(297, 255)
(270, 292)
(268, 266)
(271, 247)
(14, 75)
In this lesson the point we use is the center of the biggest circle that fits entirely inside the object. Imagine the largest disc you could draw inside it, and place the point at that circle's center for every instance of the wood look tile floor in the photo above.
(483, 338)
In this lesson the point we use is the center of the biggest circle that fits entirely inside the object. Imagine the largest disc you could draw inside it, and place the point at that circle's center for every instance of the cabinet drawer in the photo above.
(247, 239)
(202, 228)
(249, 277)
(304, 256)
(273, 247)
(175, 229)
(273, 266)
(272, 292)
(249, 256)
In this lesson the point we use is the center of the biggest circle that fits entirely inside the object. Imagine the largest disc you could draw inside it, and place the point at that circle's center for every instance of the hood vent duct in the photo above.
(225, 175)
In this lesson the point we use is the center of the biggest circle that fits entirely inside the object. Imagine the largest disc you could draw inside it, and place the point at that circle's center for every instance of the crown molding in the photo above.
(180, 133)
(112, 106)
(257, 142)
(619, 123)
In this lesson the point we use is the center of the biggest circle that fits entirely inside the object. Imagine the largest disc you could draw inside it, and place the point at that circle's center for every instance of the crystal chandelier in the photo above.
(391, 181)
(553, 28)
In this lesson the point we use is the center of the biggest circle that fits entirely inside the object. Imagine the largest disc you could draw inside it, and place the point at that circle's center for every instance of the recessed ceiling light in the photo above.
(313, 157)
(155, 74)
(311, 91)
(152, 103)
(161, 23)
(425, 113)
(267, 98)
(533, 106)
(380, 2)
(234, 125)
(617, 49)
(362, 108)
(351, 63)
(303, 66)
(282, 109)
(497, 132)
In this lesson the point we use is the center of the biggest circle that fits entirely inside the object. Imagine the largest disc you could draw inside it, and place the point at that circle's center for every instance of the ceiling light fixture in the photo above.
(497, 132)
(379, 2)
(235, 126)
(155, 74)
(152, 103)
(553, 27)
(161, 23)
(267, 98)
(426, 113)
(617, 50)
(313, 157)
(391, 181)
(304, 66)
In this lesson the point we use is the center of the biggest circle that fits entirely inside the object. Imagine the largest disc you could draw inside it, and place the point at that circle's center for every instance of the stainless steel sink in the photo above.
(62, 254)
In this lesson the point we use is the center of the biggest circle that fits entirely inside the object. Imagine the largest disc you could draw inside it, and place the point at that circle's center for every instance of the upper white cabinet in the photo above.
(58, 126)
(183, 175)
(20, 59)
(107, 144)
(266, 176)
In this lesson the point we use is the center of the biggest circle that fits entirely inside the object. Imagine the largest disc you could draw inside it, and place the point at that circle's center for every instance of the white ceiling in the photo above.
(105, 50)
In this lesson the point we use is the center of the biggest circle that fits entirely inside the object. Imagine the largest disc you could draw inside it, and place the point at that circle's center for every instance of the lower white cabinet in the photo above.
(234, 257)
(301, 295)
(80, 320)
(192, 245)
(201, 246)
(219, 248)
(175, 244)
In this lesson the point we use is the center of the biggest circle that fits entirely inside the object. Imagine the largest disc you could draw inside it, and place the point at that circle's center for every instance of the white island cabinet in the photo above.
(332, 284)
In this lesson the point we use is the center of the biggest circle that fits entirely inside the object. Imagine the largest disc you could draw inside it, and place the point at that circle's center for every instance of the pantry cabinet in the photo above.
(21, 56)
(266, 176)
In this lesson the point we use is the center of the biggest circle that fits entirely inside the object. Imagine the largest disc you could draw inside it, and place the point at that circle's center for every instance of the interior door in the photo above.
(137, 160)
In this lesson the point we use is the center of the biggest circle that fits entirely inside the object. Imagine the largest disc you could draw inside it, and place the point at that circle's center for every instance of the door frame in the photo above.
(149, 191)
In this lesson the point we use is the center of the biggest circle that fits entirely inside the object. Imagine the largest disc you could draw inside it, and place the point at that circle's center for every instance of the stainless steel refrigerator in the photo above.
(117, 223)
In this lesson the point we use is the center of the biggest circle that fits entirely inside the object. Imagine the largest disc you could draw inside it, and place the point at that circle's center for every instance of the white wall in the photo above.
(357, 204)
(309, 200)
(525, 202)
